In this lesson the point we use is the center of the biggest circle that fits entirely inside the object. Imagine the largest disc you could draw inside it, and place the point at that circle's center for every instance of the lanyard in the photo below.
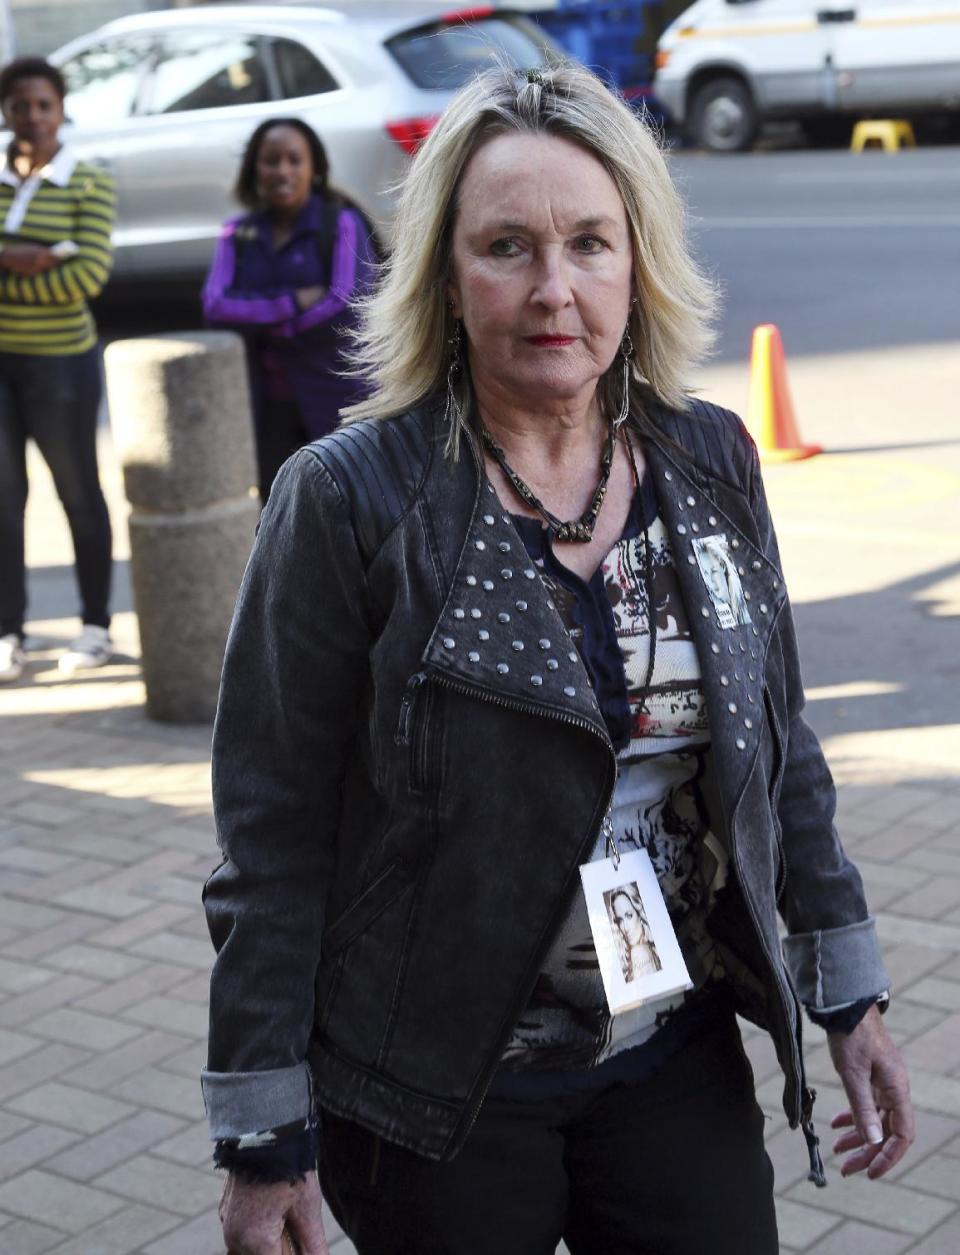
(610, 841)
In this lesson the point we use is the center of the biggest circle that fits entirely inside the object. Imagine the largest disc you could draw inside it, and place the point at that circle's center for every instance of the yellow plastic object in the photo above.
(770, 416)
(890, 134)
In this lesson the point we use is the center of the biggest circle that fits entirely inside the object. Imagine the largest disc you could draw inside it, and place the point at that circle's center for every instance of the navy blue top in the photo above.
(593, 614)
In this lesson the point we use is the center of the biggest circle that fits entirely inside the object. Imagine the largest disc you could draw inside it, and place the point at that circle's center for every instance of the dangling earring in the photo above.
(453, 413)
(626, 356)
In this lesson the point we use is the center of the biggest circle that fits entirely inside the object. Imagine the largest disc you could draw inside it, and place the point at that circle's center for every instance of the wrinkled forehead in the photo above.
(538, 180)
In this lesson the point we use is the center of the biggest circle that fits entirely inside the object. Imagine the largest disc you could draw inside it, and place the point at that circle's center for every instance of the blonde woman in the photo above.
(429, 720)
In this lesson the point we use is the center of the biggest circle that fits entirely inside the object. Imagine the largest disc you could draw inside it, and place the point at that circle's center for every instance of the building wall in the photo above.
(42, 25)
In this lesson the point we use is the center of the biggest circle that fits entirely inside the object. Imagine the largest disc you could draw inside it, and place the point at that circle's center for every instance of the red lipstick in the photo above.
(550, 342)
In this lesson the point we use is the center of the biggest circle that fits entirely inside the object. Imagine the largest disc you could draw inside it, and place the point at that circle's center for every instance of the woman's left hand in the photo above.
(28, 259)
(880, 1115)
(306, 298)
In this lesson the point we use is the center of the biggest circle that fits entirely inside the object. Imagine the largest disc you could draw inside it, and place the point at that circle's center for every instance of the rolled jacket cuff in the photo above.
(241, 1103)
(834, 966)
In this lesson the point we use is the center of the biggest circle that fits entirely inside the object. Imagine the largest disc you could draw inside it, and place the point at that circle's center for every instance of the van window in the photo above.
(448, 56)
(207, 70)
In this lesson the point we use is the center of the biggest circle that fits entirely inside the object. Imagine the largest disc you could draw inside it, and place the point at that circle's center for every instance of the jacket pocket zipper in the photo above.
(402, 734)
(413, 730)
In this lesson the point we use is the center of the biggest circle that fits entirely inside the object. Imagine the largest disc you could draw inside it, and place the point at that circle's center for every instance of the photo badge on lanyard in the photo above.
(637, 949)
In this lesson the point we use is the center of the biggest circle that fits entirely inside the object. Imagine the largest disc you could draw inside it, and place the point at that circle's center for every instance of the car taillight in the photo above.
(661, 59)
(476, 14)
(411, 132)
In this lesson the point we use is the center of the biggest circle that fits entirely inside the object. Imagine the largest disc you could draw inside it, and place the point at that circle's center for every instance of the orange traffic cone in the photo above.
(770, 417)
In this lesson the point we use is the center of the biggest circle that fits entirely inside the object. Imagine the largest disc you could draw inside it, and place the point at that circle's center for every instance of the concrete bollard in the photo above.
(180, 413)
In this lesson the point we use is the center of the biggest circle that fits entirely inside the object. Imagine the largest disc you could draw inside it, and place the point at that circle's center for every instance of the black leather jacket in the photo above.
(394, 865)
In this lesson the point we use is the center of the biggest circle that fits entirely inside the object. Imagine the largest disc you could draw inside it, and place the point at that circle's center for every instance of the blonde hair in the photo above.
(403, 344)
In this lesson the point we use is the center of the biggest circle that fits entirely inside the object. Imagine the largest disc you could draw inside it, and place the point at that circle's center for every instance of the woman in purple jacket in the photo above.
(284, 275)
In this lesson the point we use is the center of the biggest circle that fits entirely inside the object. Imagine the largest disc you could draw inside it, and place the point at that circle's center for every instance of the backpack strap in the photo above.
(326, 237)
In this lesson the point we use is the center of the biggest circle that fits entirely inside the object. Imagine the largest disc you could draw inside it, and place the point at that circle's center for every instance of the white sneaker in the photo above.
(11, 659)
(92, 648)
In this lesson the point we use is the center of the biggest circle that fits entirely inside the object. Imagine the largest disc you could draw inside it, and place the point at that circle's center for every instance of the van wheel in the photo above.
(723, 117)
(828, 132)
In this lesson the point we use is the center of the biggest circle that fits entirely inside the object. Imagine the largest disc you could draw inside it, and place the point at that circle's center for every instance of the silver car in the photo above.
(166, 101)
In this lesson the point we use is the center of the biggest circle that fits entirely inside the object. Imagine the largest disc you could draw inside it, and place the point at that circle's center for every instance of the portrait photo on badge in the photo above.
(637, 949)
(719, 573)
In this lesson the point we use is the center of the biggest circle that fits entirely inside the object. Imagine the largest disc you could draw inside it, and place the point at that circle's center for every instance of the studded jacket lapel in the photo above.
(500, 631)
(733, 595)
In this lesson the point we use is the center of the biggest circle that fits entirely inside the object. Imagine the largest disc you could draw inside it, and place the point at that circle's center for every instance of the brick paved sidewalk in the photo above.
(105, 837)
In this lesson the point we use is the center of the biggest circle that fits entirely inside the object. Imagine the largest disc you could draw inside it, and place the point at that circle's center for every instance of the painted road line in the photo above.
(854, 177)
(885, 222)
(856, 688)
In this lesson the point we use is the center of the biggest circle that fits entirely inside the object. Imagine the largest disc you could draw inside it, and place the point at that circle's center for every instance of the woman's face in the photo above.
(542, 268)
(628, 920)
(34, 113)
(284, 169)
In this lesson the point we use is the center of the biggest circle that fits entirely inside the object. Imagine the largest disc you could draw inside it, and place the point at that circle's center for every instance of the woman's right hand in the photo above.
(253, 1215)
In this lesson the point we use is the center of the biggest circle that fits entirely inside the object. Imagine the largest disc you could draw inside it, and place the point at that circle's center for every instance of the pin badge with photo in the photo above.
(722, 580)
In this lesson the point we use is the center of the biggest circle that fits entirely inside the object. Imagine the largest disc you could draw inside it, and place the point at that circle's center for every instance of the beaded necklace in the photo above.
(578, 530)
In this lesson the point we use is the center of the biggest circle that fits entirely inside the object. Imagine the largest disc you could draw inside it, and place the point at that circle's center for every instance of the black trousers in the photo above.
(675, 1166)
(53, 401)
(280, 432)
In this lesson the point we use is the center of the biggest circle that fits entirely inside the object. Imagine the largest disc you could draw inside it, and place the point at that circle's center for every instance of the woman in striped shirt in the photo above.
(56, 213)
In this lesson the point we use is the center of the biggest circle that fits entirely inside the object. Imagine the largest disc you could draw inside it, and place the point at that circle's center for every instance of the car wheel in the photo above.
(723, 116)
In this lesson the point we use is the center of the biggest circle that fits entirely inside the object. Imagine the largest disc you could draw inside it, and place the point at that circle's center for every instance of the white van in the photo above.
(725, 66)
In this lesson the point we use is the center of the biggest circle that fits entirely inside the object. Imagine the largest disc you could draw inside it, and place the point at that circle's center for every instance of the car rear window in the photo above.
(446, 55)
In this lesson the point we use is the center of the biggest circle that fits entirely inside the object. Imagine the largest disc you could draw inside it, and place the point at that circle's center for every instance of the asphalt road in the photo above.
(841, 251)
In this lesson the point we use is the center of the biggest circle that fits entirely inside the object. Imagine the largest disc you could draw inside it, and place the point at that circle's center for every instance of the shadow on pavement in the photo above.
(892, 636)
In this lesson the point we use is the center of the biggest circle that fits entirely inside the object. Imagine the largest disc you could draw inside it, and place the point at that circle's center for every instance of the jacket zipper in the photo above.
(758, 932)
(402, 738)
(807, 1096)
(781, 765)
